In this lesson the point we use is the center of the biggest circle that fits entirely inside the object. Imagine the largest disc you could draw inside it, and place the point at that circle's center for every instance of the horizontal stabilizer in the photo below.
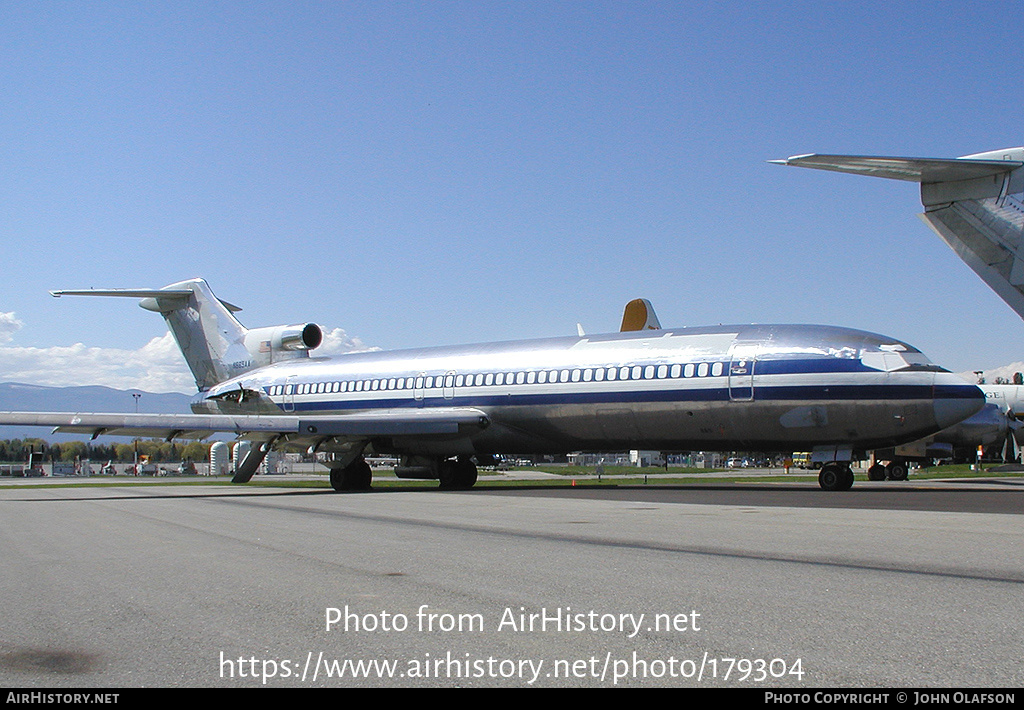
(125, 292)
(924, 170)
(163, 294)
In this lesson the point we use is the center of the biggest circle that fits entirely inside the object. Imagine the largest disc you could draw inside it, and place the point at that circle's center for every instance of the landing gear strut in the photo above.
(354, 477)
(836, 476)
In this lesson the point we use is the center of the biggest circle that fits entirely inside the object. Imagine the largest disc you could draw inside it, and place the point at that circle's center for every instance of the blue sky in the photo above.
(421, 173)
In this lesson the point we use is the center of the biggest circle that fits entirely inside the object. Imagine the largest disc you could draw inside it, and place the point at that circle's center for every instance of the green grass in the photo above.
(567, 476)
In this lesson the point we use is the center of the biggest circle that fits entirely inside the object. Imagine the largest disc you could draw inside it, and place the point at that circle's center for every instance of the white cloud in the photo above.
(338, 342)
(157, 366)
(9, 325)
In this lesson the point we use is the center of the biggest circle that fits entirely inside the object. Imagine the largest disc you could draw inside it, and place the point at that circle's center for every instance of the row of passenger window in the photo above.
(590, 374)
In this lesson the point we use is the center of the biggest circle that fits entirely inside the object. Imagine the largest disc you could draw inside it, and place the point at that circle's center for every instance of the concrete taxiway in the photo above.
(133, 586)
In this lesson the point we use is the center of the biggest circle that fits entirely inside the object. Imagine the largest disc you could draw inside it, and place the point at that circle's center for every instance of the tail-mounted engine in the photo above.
(282, 342)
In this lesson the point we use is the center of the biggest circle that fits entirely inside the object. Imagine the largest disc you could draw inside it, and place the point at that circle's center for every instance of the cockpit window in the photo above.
(889, 361)
(930, 367)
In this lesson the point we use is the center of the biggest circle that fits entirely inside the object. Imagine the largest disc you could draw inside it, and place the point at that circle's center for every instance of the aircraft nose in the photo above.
(955, 400)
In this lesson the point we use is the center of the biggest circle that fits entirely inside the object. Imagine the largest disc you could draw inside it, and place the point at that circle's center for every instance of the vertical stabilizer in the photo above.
(209, 336)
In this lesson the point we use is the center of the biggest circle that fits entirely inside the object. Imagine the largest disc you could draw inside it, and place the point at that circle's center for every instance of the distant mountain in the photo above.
(16, 397)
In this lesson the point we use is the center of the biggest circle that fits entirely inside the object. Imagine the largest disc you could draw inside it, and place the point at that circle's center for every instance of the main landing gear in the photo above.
(892, 471)
(836, 476)
(356, 476)
(454, 474)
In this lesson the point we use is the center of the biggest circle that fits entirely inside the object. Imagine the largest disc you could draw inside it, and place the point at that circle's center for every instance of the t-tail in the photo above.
(215, 345)
(975, 203)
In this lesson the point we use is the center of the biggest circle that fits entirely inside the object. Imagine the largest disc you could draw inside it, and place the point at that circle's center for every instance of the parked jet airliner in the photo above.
(442, 410)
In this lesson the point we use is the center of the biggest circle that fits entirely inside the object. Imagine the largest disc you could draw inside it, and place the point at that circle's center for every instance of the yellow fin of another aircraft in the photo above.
(639, 315)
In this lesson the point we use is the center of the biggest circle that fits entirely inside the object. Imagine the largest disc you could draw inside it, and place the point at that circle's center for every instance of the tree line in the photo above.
(159, 451)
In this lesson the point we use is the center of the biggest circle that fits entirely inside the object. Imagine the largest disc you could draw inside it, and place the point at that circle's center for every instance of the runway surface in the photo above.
(746, 586)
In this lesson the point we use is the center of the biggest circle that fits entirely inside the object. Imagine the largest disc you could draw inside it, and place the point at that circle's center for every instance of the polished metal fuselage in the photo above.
(751, 387)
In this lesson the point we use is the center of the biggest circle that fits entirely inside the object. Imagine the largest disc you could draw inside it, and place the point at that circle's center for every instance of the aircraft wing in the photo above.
(975, 203)
(923, 170)
(291, 428)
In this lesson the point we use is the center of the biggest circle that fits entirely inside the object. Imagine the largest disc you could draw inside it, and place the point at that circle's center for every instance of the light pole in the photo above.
(137, 396)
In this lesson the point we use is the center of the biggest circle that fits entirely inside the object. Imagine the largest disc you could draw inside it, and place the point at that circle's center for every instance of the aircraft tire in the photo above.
(830, 478)
(847, 478)
(357, 476)
(446, 474)
(896, 471)
(465, 473)
(338, 479)
(876, 472)
(360, 476)
(457, 475)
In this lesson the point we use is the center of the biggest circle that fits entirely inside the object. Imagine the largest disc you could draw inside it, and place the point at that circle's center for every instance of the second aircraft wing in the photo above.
(923, 170)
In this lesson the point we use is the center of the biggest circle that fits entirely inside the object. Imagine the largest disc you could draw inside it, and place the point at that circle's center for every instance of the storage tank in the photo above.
(238, 453)
(219, 462)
